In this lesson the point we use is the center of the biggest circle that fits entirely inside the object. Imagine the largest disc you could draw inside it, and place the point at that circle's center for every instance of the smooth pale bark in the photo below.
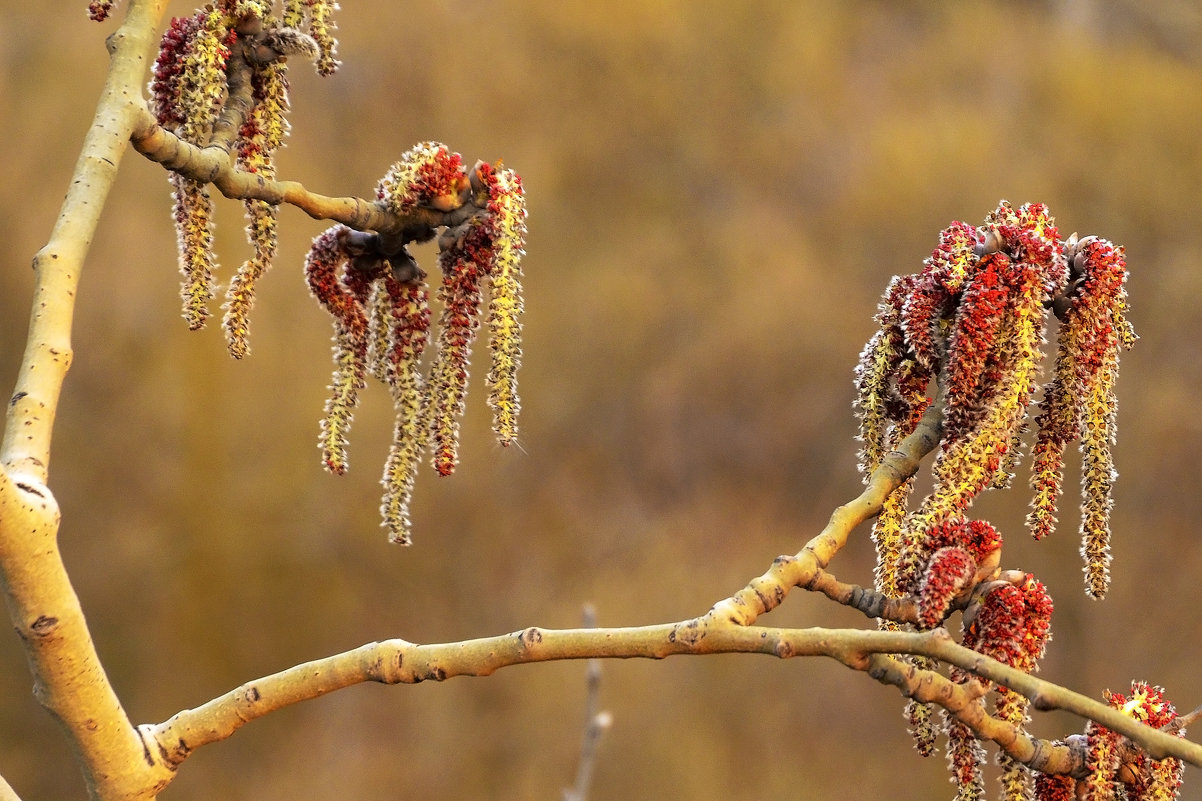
(69, 680)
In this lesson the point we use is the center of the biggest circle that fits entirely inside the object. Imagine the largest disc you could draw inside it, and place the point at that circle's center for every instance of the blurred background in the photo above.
(718, 193)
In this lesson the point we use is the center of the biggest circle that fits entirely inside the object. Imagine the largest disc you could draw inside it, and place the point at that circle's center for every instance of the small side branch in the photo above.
(212, 164)
(872, 603)
(765, 593)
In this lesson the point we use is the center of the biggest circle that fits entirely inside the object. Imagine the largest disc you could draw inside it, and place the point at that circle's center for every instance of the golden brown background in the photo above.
(718, 193)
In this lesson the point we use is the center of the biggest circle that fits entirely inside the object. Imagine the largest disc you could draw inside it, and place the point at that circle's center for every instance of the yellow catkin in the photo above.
(887, 537)
(879, 361)
(1097, 478)
(408, 313)
(240, 297)
(340, 406)
(505, 306)
(193, 222)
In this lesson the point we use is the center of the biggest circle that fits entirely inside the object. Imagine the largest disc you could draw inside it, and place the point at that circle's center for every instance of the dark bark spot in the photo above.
(44, 625)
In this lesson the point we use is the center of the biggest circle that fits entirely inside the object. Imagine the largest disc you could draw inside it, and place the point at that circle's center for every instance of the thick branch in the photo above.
(68, 678)
(401, 662)
(6, 791)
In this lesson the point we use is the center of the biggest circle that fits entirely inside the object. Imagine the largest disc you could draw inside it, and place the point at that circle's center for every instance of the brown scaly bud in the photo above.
(284, 42)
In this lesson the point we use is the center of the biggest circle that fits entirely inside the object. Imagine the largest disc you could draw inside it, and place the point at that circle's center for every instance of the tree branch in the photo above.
(6, 791)
(212, 164)
(69, 680)
(401, 662)
(765, 593)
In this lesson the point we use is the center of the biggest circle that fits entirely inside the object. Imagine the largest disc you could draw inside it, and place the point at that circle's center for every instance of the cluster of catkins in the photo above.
(960, 343)
(378, 299)
(1116, 770)
(220, 79)
(971, 325)
(220, 83)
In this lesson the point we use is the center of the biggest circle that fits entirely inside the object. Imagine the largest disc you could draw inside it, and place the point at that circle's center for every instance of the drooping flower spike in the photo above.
(220, 84)
(1013, 626)
(1079, 402)
(187, 93)
(262, 134)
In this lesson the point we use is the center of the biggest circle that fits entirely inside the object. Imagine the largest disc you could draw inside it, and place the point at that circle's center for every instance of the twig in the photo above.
(596, 722)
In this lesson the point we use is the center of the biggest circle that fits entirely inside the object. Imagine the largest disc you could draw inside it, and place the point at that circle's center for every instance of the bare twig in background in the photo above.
(595, 722)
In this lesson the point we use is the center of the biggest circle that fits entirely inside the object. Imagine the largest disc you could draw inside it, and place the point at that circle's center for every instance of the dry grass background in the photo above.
(718, 193)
